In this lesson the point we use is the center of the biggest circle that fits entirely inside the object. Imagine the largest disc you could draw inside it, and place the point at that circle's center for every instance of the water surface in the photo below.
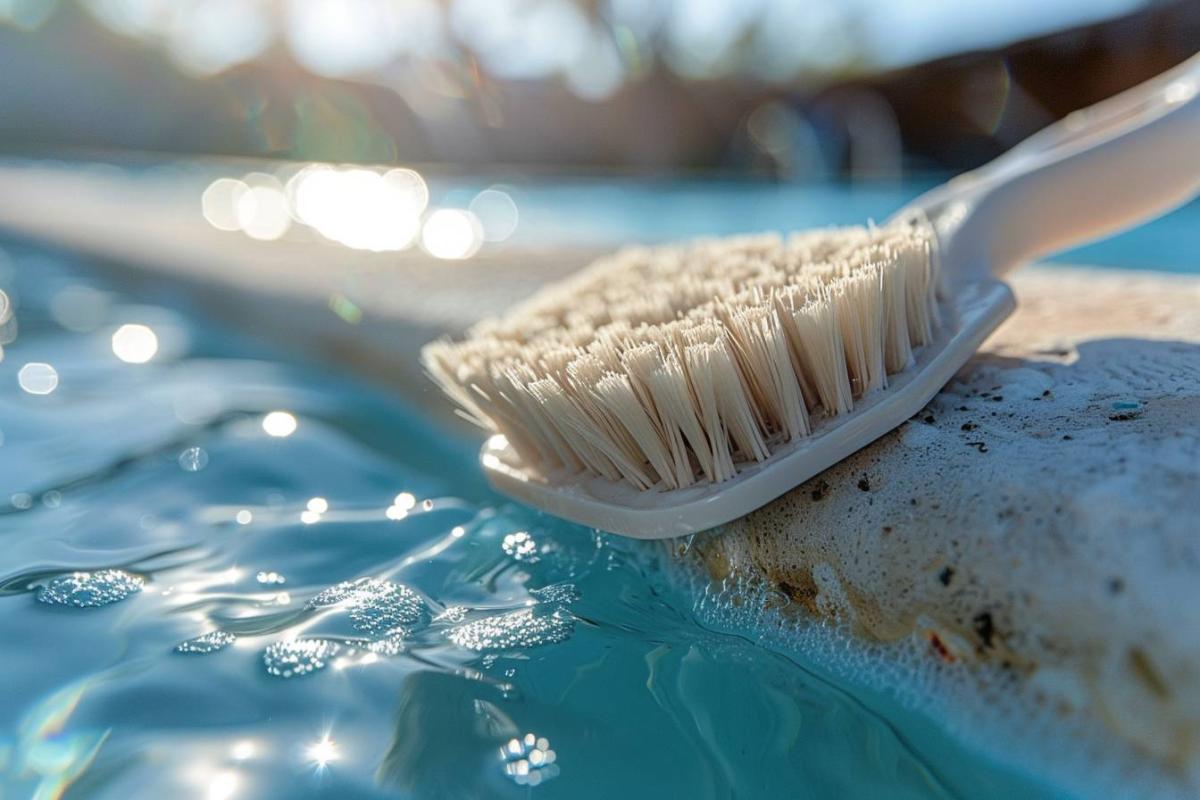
(230, 575)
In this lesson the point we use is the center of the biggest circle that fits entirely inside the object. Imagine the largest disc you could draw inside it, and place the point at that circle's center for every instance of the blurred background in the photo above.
(194, 133)
(791, 89)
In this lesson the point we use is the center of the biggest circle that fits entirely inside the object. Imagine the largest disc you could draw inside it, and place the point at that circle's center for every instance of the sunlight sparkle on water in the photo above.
(279, 424)
(222, 785)
(244, 517)
(360, 208)
(321, 753)
(529, 760)
(134, 344)
(244, 750)
(318, 504)
(404, 502)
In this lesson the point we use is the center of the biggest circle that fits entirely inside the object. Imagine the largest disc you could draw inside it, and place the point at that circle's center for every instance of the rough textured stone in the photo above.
(1042, 513)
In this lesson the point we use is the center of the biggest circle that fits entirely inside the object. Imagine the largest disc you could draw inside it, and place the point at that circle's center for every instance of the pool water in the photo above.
(229, 575)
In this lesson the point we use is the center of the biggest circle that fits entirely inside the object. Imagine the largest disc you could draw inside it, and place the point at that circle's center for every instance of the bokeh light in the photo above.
(134, 344)
(244, 750)
(360, 208)
(451, 233)
(38, 378)
(211, 36)
(219, 203)
(222, 785)
(497, 213)
(279, 424)
(262, 212)
(339, 38)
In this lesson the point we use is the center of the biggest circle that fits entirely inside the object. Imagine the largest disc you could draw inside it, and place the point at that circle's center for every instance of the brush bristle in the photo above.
(669, 366)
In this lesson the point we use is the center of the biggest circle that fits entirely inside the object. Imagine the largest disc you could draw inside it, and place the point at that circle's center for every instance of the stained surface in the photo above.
(1028, 540)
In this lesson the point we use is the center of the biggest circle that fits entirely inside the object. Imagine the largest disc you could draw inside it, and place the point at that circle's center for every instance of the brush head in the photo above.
(662, 391)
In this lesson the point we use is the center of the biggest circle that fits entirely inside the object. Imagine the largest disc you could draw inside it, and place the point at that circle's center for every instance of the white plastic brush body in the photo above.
(1100, 170)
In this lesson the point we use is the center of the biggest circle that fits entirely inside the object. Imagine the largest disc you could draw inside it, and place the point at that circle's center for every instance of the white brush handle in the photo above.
(1099, 170)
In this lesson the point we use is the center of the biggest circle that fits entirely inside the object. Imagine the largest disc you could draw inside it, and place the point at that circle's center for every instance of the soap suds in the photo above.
(1022, 562)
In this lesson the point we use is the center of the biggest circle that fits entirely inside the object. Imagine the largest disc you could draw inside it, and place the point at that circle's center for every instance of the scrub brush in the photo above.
(663, 391)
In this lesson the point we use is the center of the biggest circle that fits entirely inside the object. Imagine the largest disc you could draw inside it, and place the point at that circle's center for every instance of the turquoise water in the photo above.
(491, 652)
(613, 212)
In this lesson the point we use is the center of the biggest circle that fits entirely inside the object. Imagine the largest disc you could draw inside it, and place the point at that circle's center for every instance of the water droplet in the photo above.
(514, 630)
(90, 589)
(376, 606)
(193, 459)
(521, 546)
(22, 500)
(297, 657)
(209, 642)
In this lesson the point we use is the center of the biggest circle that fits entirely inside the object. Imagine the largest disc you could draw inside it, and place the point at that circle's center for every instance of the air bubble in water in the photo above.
(521, 546)
(513, 631)
(391, 645)
(376, 606)
(298, 657)
(90, 589)
(452, 614)
(529, 760)
(563, 593)
(209, 642)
